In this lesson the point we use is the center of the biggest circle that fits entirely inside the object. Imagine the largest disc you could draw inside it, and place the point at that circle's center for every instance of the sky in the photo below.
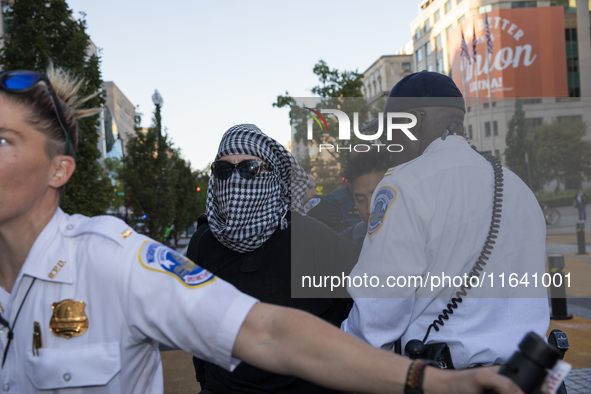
(218, 64)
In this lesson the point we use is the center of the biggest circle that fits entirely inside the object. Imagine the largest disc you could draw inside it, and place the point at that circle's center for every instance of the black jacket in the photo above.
(266, 274)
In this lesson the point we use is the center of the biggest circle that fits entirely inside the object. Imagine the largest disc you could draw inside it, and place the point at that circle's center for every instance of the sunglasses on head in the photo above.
(22, 81)
(247, 169)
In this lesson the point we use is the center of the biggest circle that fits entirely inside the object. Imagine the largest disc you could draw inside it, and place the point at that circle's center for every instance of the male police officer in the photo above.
(431, 216)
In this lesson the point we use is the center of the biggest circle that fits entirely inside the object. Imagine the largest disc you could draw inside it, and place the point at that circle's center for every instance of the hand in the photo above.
(468, 381)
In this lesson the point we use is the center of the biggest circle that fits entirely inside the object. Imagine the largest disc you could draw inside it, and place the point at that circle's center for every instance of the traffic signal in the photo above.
(198, 188)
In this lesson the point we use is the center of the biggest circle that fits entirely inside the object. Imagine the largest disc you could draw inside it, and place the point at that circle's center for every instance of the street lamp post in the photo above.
(158, 101)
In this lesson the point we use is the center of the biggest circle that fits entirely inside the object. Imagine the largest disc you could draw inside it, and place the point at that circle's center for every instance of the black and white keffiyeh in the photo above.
(243, 214)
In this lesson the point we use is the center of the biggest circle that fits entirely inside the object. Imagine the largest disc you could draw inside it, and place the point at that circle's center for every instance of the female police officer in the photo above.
(85, 301)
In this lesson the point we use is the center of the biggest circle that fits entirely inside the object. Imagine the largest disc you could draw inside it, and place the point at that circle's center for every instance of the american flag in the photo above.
(474, 42)
(464, 47)
(489, 43)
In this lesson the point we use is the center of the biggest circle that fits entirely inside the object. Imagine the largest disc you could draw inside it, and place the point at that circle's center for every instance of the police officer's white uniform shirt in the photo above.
(136, 293)
(437, 221)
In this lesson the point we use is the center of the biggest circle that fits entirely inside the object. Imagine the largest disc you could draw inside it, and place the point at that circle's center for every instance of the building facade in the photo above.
(119, 120)
(436, 36)
(383, 74)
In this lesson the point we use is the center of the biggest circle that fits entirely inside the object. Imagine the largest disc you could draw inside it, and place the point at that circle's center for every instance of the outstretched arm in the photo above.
(292, 342)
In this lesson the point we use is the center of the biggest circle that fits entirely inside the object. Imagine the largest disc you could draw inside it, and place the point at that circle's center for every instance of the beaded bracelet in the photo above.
(414, 377)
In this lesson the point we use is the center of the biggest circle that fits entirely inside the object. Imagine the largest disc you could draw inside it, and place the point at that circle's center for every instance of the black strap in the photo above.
(11, 329)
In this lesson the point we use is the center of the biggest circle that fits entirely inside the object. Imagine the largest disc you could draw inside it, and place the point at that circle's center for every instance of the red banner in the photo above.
(528, 57)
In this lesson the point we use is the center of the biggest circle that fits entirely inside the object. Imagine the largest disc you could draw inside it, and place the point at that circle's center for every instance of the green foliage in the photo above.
(148, 179)
(184, 184)
(202, 177)
(563, 154)
(38, 32)
(520, 143)
(114, 168)
(337, 90)
(561, 198)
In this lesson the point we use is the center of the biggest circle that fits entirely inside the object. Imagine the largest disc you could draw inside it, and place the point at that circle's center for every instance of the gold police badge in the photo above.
(68, 319)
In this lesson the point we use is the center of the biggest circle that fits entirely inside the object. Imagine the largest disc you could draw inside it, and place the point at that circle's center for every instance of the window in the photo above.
(447, 6)
(438, 42)
(572, 63)
(418, 33)
(461, 19)
(458, 2)
(569, 119)
(440, 66)
(523, 4)
(487, 128)
(485, 105)
(447, 31)
(569, 6)
(430, 67)
(470, 132)
(485, 8)
(406, 66)
(532, 101)
(427, 26)
(419, 54)
(437, 16)
(428, 48)
(530, 123)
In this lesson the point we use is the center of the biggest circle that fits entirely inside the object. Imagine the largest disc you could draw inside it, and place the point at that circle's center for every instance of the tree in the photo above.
(114, 168)
(519, 144)
(337, 90)
(40, 32)
(563, 154)
(148, 179)
(185, 194)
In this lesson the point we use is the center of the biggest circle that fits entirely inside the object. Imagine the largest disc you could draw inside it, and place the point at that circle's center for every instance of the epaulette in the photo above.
(390, 171)
(106, 226)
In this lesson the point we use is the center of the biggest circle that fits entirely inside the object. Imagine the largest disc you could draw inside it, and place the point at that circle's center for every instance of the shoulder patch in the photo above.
(390, 171)
(384, 198)
(107, 226)
(311, 204)
(160, 258)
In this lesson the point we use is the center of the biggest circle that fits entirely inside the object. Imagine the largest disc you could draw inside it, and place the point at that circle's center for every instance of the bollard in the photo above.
(581, 238)
(558, 294)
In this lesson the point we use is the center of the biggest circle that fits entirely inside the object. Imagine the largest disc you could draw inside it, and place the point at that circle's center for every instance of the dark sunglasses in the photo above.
(21, 81)
(247, 169)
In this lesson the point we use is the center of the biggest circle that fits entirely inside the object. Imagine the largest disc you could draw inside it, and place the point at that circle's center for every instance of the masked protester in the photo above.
(256, 230)
(84, 302)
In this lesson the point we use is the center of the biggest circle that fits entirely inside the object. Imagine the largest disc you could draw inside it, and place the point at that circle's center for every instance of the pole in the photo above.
(558, 293)
(492, 129)
(478, 105)
(463, 68)
(531, 186)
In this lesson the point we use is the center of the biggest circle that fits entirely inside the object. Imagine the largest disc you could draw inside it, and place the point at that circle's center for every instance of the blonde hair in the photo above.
(66, 88)
(42, 114)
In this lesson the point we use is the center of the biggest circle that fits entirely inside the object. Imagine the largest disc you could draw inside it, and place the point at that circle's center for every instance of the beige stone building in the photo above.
(383, 74)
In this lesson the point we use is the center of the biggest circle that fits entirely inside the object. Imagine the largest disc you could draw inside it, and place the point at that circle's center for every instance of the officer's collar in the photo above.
(451, 140)
(48, 258)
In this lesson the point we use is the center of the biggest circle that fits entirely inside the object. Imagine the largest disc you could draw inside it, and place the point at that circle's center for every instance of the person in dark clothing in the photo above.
(246, 239)
(363, 172)
(580, 203)
(337, 209)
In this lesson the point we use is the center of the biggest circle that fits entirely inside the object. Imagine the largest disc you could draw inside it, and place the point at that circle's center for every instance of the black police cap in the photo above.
(422, 89)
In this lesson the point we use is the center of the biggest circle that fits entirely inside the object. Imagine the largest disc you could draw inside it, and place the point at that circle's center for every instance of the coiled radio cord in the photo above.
(486, 249)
